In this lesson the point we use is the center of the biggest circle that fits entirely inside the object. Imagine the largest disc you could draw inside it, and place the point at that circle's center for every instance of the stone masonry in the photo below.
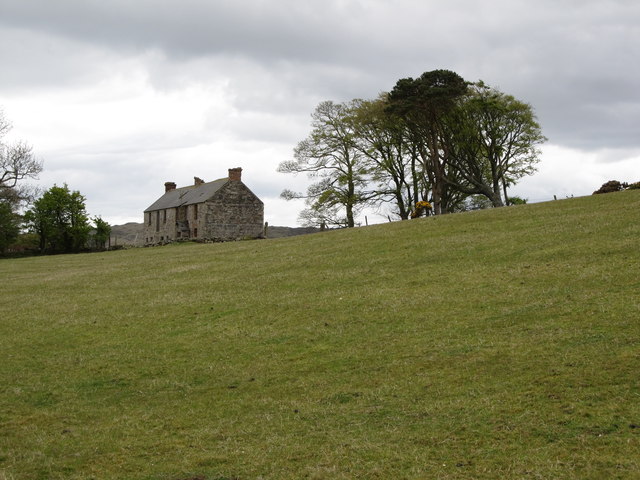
(221, 210)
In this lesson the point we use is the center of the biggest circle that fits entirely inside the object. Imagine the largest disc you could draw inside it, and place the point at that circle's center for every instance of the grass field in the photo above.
(500, 344)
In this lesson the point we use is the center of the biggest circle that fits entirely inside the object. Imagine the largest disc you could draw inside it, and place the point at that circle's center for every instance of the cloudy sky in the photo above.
(118, 97)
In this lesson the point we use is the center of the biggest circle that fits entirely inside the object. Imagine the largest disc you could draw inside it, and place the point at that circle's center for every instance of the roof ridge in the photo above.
(188, 194)
(200, 184)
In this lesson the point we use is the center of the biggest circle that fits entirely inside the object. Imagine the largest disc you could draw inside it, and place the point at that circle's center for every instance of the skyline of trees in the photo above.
(437, 138)
(57, 217)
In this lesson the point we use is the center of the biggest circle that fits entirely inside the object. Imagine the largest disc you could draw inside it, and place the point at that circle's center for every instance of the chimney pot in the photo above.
(168, 186)
(235, 174)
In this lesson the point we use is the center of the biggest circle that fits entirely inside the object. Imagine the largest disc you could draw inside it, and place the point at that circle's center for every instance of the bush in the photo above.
(634, 186)
(517, 200)
(611, 186)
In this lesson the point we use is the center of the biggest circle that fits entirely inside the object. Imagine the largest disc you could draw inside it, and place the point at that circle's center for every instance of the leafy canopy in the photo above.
(59, 218)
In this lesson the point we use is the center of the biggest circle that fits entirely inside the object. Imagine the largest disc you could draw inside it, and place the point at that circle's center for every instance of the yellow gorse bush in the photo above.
(422, 207)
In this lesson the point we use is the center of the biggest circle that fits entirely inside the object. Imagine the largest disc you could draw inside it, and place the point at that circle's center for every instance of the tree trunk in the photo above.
(402, 210)
(351, 189)
(496, 200)
(504, 188)
(437, 184)
(350, 222)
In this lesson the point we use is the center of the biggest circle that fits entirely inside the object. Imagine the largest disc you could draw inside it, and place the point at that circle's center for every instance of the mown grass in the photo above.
(494, 344)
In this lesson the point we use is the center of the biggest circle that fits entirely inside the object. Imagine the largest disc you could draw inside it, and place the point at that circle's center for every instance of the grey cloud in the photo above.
(190, 28)
(274, 61)
(34, 59)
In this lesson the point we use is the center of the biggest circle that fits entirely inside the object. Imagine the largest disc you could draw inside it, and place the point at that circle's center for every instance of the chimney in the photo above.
(197, 181)
(235, 174)
(168, 186)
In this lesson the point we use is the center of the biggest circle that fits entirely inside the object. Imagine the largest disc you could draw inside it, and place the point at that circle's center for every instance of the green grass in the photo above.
(494, 344)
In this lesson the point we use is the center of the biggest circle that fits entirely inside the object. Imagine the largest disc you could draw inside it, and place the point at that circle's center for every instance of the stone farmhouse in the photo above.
(222, 210)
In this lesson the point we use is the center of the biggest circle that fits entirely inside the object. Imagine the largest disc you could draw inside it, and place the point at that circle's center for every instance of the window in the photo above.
(195, 212)
(149, 218)
(157, 220)
(164, 216)
(195, 232)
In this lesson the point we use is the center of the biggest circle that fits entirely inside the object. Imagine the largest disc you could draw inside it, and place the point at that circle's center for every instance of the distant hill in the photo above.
(132, 233)
(129, 234)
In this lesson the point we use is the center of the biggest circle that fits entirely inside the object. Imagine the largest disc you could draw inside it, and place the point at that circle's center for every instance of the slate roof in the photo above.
(187, 195)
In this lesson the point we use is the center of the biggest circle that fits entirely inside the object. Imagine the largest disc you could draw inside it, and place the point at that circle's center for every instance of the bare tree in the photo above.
(17, 163)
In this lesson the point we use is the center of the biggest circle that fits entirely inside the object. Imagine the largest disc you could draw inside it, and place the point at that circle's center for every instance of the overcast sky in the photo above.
(119, 97)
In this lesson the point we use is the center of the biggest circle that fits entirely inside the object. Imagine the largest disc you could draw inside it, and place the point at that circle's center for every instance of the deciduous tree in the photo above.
(492, 140)
(17, 163)
(329, 154)
(397, 174)
(60, 220)
(101, 234)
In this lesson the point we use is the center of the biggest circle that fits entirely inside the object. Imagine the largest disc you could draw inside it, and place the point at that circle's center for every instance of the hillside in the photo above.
(491, 344)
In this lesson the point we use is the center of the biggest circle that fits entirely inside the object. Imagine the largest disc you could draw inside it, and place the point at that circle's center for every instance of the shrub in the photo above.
(611, 186)
(517, 200)
(422, 208)
(634, 186)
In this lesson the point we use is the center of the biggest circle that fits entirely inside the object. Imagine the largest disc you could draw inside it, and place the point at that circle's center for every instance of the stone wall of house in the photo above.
(234, 213)
(160, 226)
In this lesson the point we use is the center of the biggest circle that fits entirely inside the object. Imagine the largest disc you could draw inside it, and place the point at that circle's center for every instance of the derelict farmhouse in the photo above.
(222, 210)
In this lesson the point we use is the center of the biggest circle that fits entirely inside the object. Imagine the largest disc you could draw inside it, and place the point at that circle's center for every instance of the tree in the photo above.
(611, 186)
(396, 171)
(492, 141)
(17, 163)
(435, 139)
(102, 233)
(423, 104)
(329, 154)
(9, 225)
(60, 220)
